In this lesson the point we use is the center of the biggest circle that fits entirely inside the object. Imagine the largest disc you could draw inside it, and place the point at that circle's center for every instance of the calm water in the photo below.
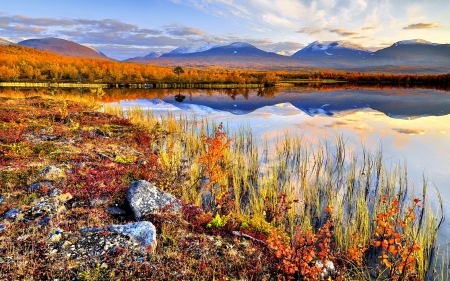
(412, 125)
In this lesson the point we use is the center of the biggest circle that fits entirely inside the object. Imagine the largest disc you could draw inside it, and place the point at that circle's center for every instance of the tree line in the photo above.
(19, 63)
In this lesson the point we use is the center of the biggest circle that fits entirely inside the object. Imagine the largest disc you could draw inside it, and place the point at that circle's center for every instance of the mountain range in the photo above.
(336, 54)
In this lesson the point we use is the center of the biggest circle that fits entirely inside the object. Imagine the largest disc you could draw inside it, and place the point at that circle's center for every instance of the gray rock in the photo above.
(328, 271)
(54, 192)
(97, 202)
(115, 211)
(44, 221)
(2, 199)
(12, 214)
(50, 173)
(143, 232)
(145, 198)
(37, 185)
(2, 227)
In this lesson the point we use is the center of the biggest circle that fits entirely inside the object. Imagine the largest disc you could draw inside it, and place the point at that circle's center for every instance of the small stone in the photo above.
(54, 251)
(65, 197)
(97, 202)
(55, 238)
(12, 214)
(44, 220)
(2, 199)
(54, 192)
(67, 244)
(104, 266)
(39, 185)
(140, 259)
(2, 227)
(115, 211)
(50, 173)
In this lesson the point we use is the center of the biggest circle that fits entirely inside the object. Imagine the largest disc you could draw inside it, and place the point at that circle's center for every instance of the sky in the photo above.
(124, 29)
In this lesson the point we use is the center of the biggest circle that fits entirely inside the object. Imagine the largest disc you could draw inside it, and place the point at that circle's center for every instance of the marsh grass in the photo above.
(302, 179)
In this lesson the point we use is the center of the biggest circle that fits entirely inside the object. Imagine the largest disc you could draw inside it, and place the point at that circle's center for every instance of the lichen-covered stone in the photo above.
(50, 173)
(145, 198)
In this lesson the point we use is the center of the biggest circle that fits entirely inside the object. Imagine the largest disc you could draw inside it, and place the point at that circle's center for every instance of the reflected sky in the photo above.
(416, 134)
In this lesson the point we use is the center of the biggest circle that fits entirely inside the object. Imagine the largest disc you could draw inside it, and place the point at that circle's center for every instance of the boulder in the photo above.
(145, 198)
(50, 173)
(142, 232)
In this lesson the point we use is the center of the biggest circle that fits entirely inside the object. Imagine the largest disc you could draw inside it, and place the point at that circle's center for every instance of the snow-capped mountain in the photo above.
(283, 53)
(336, 48)
(193, 48)
(415, 52)
(414, 41)
(4, 42)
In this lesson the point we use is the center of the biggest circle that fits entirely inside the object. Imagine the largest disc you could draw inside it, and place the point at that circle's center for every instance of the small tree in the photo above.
(178, 70)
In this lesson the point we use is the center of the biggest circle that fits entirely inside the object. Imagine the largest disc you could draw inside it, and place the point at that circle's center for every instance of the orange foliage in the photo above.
(299, 259)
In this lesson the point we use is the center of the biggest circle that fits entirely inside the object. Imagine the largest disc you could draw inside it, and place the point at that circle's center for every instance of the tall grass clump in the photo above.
(380, 227)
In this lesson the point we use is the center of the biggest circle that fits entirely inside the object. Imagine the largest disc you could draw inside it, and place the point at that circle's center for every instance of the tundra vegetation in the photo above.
(295, 211)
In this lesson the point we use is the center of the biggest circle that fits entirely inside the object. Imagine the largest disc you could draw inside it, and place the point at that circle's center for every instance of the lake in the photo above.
(408, 124)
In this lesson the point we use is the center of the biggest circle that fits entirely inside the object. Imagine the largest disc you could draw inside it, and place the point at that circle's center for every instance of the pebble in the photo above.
(12, 214)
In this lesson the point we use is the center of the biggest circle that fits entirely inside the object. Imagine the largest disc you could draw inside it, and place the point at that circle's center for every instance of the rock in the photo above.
(100, 133)
(2, 199)
(54, 192)
(12, 214)
(39, 185)
(328, 271)
(115, 211)
(2, 227)
(44, 221)
(145, 198)
(50, 173)
(97, 202)
(48, 205)
(143, 232)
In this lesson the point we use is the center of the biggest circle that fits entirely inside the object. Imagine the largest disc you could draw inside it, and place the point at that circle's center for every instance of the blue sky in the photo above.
(123, 29)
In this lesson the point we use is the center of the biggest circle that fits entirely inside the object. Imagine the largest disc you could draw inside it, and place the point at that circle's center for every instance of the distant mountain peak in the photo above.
(63, 47)
(152, 55)
(193, 48)
(241, 45)
(283, 53)
(332, 48)
(413, 41)
(4, 42)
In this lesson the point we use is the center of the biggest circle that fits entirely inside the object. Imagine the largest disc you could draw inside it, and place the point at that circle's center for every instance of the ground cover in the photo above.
(239, 221)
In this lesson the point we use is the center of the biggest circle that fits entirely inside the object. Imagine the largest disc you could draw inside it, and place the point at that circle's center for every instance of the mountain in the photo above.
(234, 49)
(98, 51)
(63, 47)
(413, 52)
(330, 49)
(4, 42)
(283, 53)
(153, 55)
(192, 48)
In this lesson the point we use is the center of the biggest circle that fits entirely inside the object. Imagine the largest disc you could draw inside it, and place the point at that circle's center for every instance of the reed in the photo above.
(301, 179)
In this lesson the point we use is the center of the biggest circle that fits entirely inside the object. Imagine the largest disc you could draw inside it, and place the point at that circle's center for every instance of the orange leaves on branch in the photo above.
(397, 252)
(299, 258)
